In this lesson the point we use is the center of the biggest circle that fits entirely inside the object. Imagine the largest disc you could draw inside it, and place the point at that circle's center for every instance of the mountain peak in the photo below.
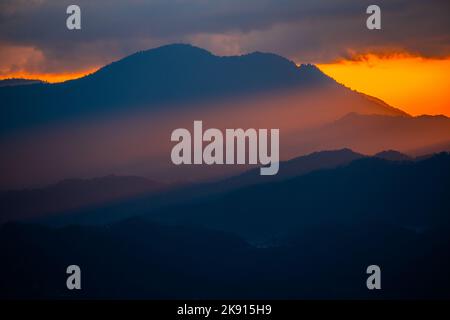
(313, 74)
(309, 67)
(175, 48)
(177, 72)
(267, 56)
(182, 55)
(392, 155)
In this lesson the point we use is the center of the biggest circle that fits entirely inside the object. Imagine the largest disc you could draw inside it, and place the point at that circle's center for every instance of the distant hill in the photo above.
(288, 170)
(348, 189)
(393, 155)
(431, 149)
(18, 82)
(295, 167)
(370, 134)
(90, 200)
(72, 194)
(395, 192)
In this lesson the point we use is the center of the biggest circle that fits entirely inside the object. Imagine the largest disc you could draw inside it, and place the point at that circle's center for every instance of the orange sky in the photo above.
(415, 85)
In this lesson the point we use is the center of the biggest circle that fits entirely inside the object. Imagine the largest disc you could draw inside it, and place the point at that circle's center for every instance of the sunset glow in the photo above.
(415, 85)
(49, 77)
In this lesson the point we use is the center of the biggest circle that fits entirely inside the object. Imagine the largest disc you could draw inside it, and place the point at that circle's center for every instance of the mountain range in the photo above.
(118, 120)
(360, 183)
(371, 134)
(96, 202)
(300, 235)
(75, 197)
(411, 194)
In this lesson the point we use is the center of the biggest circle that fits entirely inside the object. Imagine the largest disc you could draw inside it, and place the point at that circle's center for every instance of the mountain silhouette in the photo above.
(393, 155)
(95, 200)
(394, 192)
(237, 206)
(18, 82)
(161, 76)
(295, 167)
(119, 119)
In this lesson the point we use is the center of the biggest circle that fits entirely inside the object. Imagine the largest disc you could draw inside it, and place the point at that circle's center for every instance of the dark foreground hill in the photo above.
(308, 237)
(138, 259)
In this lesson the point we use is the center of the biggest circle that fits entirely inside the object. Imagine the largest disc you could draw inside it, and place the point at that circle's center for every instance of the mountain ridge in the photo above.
(373, 133)
(165, 74)
(19, 82)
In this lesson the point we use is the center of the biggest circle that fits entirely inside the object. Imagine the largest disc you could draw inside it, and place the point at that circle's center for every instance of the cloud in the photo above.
(306, 31)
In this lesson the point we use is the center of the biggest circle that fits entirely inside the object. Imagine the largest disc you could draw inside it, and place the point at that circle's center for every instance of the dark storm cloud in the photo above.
(312, 30)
